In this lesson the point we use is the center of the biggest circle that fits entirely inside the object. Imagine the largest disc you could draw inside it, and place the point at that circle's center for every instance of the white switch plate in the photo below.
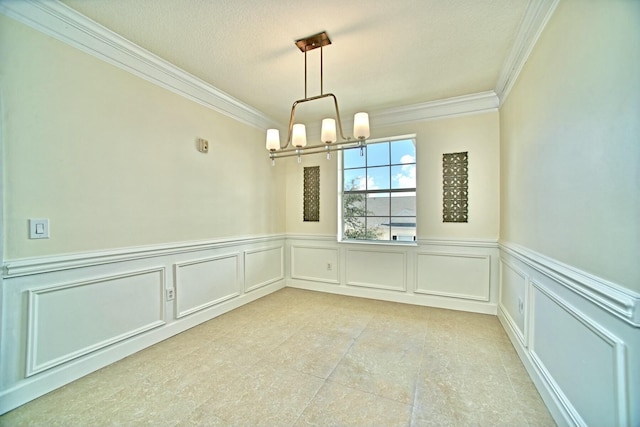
(38, 228)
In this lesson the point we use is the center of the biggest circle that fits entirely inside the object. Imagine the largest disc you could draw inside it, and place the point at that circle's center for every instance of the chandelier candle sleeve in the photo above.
(273, 139)
(361, 126)
(299, 135)
(328, 131)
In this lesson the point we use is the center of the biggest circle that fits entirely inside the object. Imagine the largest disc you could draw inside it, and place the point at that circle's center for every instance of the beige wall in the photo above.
(570, 148)
(111, 159)
(478, 134)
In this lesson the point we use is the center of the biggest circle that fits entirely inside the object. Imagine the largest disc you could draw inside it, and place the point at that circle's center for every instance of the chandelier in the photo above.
(297, 135)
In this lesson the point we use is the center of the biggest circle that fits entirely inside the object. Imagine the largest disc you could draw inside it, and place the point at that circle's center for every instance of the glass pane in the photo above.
(403, 151)
(354, 228)
(403, 176)
(353, 159)
(378, 178)
(353, 206)
(378, 228)
(403, 204)
(403, 229)
(378, 204)
(354, 179)
(378, 154)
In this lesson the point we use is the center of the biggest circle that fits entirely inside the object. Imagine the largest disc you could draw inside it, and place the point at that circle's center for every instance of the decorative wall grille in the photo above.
(311, 205)
(455, 187)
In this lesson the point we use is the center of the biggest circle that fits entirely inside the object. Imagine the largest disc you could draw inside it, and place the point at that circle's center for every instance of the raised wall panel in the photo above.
(453, 275)
(70, 320)
(376, 269)
(513, 285)
(585, 363)
(205, 282)
(263, 266)
(312, 263)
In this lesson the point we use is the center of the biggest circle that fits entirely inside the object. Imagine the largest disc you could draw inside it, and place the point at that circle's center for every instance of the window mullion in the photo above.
(390, 187)
(372, 199)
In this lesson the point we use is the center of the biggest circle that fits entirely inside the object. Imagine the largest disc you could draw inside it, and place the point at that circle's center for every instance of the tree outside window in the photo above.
(379, 191)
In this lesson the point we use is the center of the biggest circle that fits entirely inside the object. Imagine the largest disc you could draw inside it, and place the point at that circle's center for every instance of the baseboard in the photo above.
(49, 381)
(559, 414)
(577, 336)
(392, 296)
(125, 299)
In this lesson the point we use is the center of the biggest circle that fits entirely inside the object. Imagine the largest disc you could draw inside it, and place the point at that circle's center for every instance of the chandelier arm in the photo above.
(296, 152)
(313, 98)
(335, 103)
(291, 120)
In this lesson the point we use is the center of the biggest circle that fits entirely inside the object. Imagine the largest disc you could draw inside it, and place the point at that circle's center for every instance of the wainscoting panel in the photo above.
(513, 285)
(582, 343)
(582, 361)
(263, 266)
(66, 316)
(314, 263)
(381, 269)
(453, 275)
(205, 282)
(70, 320)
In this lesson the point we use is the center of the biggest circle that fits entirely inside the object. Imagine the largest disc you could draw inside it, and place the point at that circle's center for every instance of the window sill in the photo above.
(379, 242)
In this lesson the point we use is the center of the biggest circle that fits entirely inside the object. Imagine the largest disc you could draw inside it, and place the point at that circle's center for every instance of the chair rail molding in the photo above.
(622, 303)
(28, 266)
(122, 301)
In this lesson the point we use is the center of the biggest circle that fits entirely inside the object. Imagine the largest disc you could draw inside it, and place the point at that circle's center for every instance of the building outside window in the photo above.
(378, 196)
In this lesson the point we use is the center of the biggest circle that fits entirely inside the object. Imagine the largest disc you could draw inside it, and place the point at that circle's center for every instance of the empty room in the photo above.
(368, 213)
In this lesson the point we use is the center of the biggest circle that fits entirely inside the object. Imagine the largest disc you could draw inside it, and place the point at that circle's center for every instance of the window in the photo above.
(379, 191)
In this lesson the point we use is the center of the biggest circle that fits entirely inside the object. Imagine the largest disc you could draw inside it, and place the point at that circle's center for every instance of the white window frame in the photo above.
(340, 236)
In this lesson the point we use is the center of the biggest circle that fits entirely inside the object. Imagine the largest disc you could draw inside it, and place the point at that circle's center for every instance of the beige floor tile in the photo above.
(312, 351)
(309, 358)
(385, 367)
(268, 395)
(202, 416)
(339, 405)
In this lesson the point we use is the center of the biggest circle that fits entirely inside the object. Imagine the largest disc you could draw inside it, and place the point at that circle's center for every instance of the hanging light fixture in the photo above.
(297, 136)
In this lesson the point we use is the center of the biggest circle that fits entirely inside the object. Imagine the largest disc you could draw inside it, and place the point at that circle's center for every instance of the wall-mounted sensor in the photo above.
(203, 145)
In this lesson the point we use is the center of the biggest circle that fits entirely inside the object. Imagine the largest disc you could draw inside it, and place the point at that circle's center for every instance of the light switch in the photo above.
(38, 228)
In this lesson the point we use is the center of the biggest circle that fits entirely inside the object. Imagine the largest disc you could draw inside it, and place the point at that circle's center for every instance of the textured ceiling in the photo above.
(385, 54)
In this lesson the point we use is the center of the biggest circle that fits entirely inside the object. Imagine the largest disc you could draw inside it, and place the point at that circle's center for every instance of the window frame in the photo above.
(390, 191)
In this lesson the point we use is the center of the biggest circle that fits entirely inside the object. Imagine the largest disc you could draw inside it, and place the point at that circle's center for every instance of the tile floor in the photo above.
(301, 358)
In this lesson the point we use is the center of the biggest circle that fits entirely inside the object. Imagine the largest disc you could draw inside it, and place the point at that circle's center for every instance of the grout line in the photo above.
(324, 383)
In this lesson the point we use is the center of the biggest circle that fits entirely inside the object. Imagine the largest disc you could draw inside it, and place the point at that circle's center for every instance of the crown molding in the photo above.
(450, 107)
(57, 20)
(65, 24)
(533, 23)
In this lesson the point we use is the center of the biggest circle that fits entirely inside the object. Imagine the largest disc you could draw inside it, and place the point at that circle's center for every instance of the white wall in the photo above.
(135, 210)
(452, 265)
(570, 203)
(111, 159)
(476, 133)
(570, 145)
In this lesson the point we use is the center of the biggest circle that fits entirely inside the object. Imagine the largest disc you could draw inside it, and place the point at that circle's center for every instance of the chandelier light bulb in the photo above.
(328, 134)
(361, 126)
(299, 135)
(273, 139)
